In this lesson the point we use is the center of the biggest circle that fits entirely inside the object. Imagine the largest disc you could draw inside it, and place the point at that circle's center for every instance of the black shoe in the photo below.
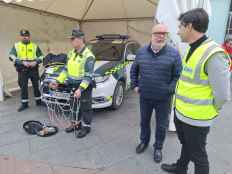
(23, 107)
(73, 127)
(170, 168)
(141, 148)
(83, 132)
(158, 156)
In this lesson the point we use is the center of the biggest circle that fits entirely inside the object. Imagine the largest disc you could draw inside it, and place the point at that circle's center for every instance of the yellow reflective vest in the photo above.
(26, 51)
(194, 95)
(75, 68)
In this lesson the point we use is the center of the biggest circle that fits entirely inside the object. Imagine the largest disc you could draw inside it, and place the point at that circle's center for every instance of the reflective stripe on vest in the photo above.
(196, 79)
(195, 101)
(194, 95)
(26, 51)
(76, 63)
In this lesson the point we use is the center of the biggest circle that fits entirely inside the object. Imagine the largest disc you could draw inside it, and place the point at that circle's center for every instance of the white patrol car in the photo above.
(114, 56)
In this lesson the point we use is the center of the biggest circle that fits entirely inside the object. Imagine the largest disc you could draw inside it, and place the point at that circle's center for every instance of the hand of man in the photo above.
(33, 64)
(136, 89)
(26, 64)
(77, 93)
(53, 85)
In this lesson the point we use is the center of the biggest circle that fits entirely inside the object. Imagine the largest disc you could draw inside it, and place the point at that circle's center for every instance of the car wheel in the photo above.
(118, 97)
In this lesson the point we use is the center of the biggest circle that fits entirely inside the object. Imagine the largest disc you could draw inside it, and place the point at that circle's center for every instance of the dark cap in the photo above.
(24, 32)
(76, 33)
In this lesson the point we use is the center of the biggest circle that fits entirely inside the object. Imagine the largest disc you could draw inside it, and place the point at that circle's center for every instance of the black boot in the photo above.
(83, 132)
(23, 107)
(170, 168)
(72, 127)
(174, 168)
(158, 156)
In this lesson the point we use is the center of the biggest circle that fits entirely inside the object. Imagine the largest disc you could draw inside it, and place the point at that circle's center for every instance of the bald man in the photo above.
(154, 74)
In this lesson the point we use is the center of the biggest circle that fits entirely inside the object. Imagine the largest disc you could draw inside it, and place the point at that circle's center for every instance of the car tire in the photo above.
(118, 97)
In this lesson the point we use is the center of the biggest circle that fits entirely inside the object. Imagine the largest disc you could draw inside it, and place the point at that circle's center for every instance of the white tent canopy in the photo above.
(51, 21)
(86, 10)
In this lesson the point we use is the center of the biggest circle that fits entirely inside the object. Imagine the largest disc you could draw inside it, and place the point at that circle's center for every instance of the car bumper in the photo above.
(103, 94)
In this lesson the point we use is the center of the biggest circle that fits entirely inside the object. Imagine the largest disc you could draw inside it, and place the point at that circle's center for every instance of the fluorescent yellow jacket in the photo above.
(194, 95)
(26, 52)
(79, 67)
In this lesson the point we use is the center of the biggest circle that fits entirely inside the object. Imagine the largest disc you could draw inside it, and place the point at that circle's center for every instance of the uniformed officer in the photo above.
(27, 56)
(78, 75)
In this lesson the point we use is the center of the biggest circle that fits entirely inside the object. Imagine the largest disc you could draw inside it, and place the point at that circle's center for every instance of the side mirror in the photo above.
(130, 57)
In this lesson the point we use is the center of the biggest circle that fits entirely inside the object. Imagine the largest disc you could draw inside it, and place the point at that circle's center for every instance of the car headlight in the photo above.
(101, 79)
(49, 70)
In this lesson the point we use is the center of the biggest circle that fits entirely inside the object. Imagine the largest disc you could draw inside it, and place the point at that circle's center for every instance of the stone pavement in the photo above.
(109, 149)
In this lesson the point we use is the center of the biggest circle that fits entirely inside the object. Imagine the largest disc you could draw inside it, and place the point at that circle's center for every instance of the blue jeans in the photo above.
(162, 111)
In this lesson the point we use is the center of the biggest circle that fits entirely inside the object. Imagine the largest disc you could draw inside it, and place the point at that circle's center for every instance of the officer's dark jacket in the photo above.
(156, 74)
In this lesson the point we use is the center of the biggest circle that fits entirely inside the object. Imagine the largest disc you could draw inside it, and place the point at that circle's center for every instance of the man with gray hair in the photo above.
(154, 74)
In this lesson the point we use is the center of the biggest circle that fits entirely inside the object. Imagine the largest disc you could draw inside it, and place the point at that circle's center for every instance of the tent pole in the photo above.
(81, 26)
(153, 2)
(119, 19)
(86, 12)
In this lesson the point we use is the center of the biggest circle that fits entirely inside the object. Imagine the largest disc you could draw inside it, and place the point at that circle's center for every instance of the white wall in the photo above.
(218, 20)
(47, 31)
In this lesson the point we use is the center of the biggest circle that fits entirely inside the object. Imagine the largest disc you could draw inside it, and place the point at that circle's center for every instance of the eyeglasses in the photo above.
(159, 33)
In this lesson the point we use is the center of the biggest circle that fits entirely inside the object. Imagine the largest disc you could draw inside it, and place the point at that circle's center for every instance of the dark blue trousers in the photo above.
(162, 111)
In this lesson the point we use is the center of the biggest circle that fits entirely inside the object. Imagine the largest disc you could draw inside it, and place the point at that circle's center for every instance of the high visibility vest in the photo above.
(76, 63)
(194, 95)
(75, 68)
(26, 51)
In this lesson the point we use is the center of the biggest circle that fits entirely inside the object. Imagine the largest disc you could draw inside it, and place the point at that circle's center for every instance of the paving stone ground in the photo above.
(109, 149)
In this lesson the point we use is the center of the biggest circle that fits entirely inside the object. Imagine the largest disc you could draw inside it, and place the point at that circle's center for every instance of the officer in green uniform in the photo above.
(78, 75)
(27, 56)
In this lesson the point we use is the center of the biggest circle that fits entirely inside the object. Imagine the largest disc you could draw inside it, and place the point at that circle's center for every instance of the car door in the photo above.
(130, 53)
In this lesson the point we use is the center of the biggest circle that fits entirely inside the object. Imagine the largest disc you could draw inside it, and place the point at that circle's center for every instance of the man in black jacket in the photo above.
(154, 74)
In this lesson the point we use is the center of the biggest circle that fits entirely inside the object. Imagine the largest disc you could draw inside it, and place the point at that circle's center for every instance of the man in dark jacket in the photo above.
(154, 74)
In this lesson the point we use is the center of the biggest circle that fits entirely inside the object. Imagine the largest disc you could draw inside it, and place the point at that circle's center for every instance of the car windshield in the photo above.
(107, 51)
